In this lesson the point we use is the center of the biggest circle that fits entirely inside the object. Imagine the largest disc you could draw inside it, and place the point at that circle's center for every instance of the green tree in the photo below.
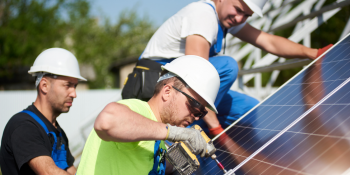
(29, 27)
(26, 28)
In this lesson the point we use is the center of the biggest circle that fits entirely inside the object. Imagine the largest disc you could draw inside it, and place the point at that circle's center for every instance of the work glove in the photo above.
(191, 135)
(322, 50)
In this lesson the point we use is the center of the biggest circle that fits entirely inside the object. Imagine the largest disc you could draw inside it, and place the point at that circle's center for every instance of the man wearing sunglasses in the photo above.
(128, 135)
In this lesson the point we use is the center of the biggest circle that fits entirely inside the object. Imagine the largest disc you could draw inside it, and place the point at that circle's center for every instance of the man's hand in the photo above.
(191, 135)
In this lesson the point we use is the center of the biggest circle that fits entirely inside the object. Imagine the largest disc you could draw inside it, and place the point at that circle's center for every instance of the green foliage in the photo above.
(332, 29)
(29, 27)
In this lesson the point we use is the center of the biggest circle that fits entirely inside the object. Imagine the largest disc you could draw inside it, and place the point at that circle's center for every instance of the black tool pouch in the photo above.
(141, 82)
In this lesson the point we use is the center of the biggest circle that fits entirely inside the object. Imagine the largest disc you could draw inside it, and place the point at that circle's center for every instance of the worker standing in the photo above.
(128, 135)
(199, 29)
(33, 142)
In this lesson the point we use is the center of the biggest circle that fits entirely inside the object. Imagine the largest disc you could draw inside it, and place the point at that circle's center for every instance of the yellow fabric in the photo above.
(124, 158)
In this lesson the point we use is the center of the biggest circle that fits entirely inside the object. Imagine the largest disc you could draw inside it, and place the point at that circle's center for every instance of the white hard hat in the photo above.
(199, 74)
(256, 5)
(57, 61)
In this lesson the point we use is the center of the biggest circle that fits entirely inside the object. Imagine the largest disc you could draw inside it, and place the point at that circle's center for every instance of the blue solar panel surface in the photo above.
(314, 106)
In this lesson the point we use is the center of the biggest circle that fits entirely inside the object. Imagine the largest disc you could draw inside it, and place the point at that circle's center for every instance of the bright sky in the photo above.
(156, 10)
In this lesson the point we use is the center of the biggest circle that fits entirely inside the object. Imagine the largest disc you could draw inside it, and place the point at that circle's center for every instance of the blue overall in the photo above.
(230, 104)
(59, 153)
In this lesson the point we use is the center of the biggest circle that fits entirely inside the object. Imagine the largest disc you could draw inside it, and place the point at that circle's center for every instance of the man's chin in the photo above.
(65, 110)
(229, 25)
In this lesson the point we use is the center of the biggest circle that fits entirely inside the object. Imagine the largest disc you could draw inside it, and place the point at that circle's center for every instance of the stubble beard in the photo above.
(169, 112)
(58, 106)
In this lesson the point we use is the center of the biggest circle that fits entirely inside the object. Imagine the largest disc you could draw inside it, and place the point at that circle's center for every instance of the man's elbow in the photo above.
(103, 124)
(101, 129)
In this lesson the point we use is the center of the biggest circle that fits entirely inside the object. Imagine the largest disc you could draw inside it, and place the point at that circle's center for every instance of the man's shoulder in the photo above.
(135, 104)
(132, 101)
(200, 14)
(21, 122)
(19, 119)
(199, 7)
(138, 106)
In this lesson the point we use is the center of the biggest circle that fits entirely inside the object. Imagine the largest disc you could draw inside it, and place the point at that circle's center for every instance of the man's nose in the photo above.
(239, 18)
(73, 93)
(195, 118)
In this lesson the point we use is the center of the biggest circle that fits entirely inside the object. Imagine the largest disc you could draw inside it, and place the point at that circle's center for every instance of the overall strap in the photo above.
(159, 163)
(216, 48)
(36, 118)
(59, 156)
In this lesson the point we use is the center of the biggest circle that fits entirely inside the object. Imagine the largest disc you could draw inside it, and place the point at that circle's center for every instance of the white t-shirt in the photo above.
(196, 18)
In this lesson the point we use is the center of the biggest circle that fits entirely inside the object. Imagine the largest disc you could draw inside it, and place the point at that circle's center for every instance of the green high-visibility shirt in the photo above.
(124, 158)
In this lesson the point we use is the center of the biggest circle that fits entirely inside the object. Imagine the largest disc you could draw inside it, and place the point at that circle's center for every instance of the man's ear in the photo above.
(44, 85)
(166, 92)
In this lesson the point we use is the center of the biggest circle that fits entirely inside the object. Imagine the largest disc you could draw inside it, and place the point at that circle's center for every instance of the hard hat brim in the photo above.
(254, 7)
(51, 70)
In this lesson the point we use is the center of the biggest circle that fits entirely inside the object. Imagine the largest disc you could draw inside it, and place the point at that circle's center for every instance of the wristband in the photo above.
(167, 134)
(216, 131)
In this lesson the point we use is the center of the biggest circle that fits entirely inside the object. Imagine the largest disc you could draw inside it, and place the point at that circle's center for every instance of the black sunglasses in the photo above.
(198, 110)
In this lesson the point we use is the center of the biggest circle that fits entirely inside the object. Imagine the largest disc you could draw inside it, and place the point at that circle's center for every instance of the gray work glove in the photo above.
(191, 135)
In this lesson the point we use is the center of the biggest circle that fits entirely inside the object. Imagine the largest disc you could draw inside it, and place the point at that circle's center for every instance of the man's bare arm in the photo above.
(275, 44)
(118, 123)
(46, 166)
(197, 45)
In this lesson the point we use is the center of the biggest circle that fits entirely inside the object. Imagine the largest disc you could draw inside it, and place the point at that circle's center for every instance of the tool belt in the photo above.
(141, 82)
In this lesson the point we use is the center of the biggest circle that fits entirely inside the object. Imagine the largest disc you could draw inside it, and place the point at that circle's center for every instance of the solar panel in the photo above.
(304, 128)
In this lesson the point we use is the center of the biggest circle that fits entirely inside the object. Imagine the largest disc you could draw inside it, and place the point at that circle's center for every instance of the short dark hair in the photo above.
(178, 83)
(50, 76)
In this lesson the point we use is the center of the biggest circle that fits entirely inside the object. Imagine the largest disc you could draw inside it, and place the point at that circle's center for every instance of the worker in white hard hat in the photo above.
(128, 135)
(33, 142)
(199, 28)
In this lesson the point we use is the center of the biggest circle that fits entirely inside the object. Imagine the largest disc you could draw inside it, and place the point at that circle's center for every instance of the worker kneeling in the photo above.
(128, 135)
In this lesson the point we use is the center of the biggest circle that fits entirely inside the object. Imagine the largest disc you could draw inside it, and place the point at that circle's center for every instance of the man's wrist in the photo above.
(312, 53)
(215, 131)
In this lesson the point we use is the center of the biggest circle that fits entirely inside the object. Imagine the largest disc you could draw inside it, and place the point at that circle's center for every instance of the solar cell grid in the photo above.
(317, 144)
